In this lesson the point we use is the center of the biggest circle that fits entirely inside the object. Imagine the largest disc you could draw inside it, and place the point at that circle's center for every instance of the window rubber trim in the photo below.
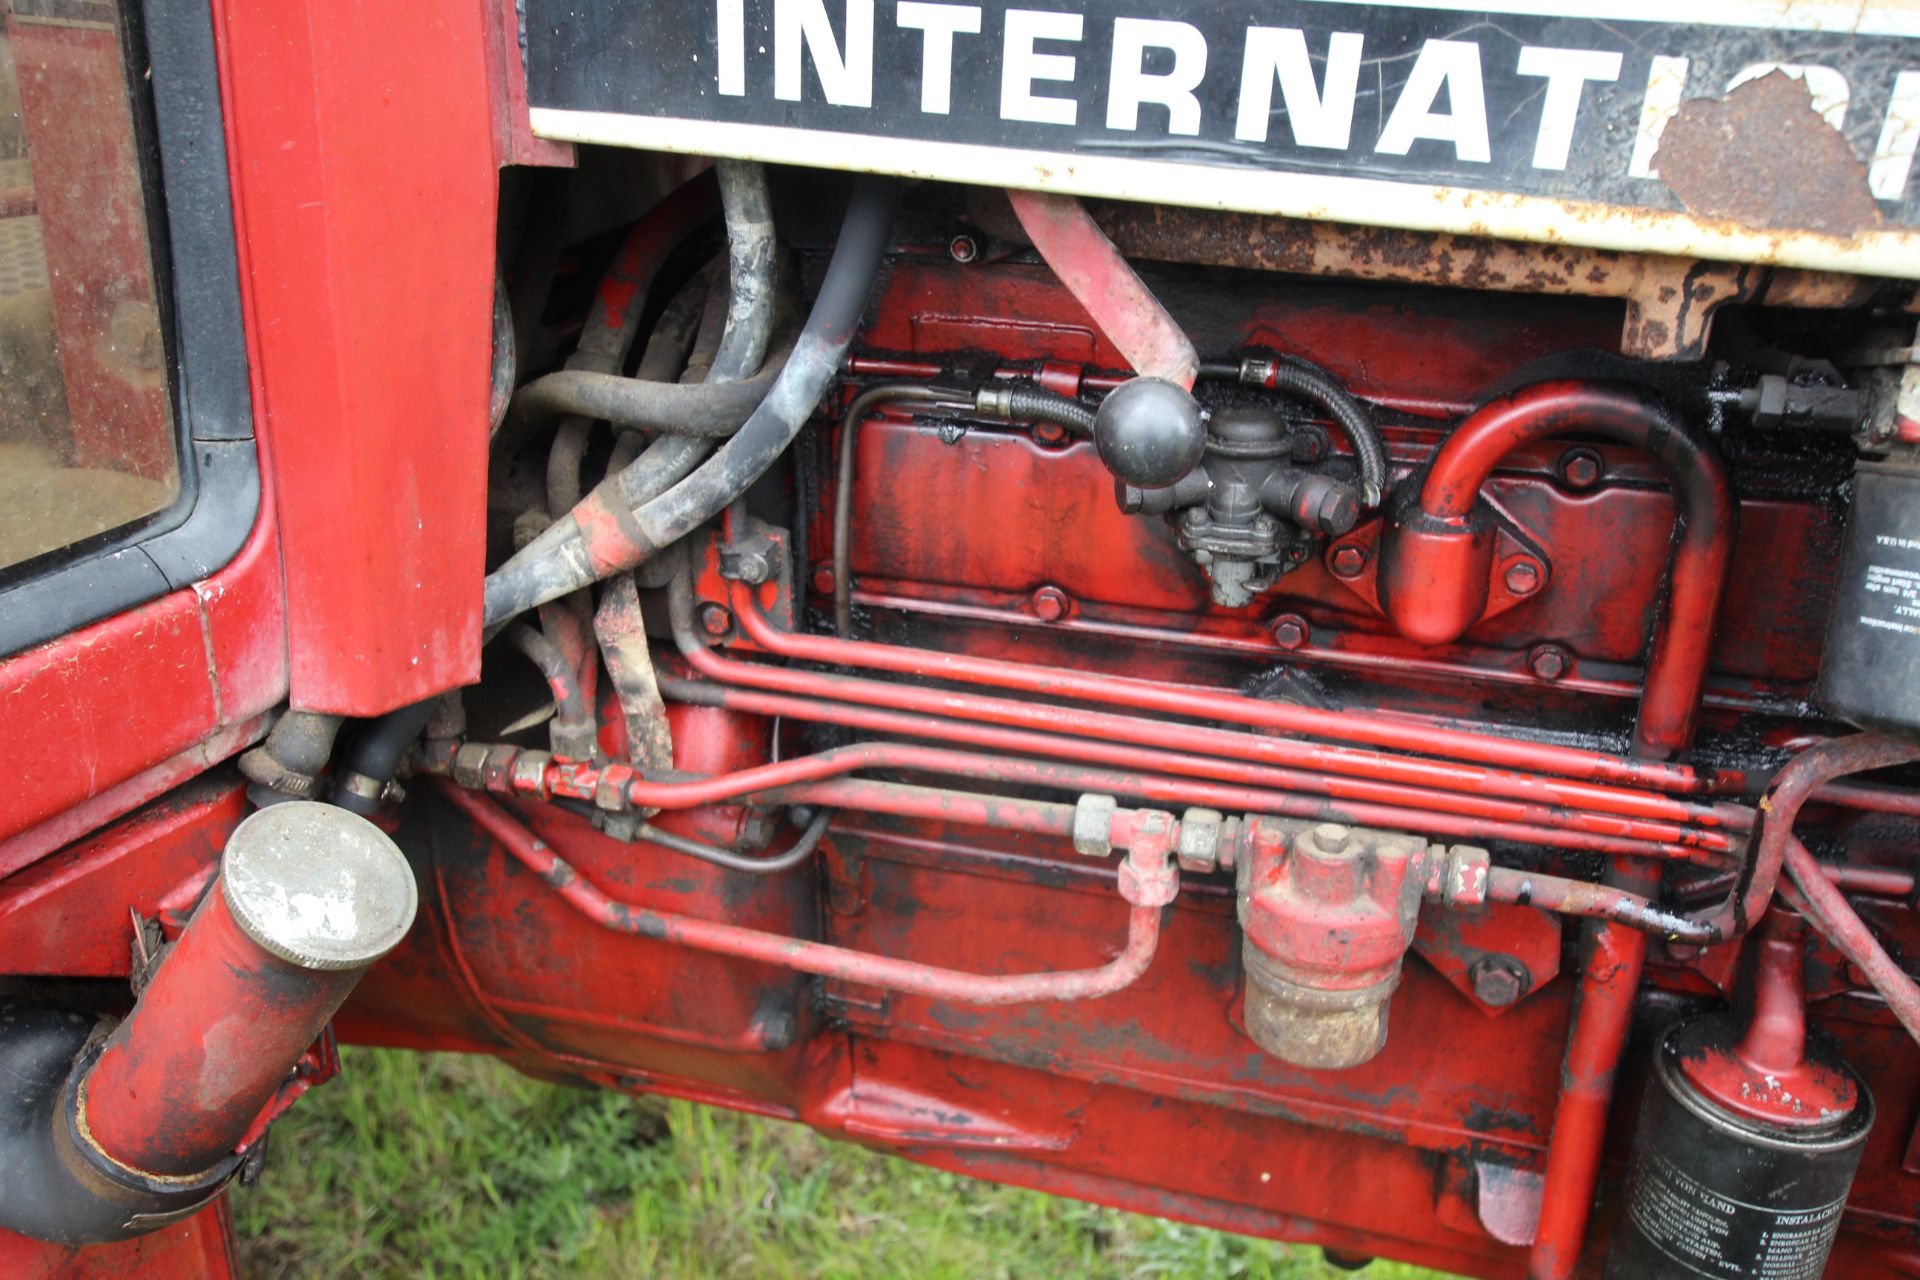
(191, 234)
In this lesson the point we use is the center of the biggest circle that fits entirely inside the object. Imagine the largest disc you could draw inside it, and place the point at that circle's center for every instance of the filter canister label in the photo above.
(1716, 1235)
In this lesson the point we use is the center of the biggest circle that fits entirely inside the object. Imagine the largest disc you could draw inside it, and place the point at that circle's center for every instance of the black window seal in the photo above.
(197, 277)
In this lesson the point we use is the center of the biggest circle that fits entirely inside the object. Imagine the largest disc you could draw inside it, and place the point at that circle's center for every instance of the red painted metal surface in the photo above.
(1151, 1096)
(1780, 808)
(1828, 907)
(1242, 786)
(205, 661)
(1117, 728)
(1768, 1076)
(197, 1248)
(1612, 961)
(1400, 734)
(67, 914)
(211, 1041)
(364, 188)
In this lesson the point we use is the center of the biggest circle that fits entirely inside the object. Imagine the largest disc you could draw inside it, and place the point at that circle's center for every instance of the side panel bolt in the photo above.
(823, 580)
(1050, 604)
(962, 249)
(715, 620)
(1349, 560)
(1290, 631)
(1581, 468)
(1549, 661)
(1523, 577)
(1499, 980)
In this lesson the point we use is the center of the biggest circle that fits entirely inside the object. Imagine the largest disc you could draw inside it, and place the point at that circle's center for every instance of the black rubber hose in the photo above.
(751, 248)
(664, 360)
(750, 271)
(711, 409)
(1302, 377)
(373, 756)
(553, 664)
(666, 460)
(54, 1185)
(665, 354)
(1037, 404)
(1291, 374)
(796, 393)
(302, 741)
(793, 856)
(743, 331)
(530, 580)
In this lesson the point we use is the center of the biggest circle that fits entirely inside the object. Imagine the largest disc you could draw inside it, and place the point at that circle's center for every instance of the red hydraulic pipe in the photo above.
(1790, 789)
(904, 800)
(1466, 778)
(309, 896)
(1151, 886)
(1614, 956)
(1431, 812)
(1079, 252)
(1436, 557)
(1878, 882)
(1844, 928)
(1870, 799)
(800, 779)
(1595, 901)
(1146, 695)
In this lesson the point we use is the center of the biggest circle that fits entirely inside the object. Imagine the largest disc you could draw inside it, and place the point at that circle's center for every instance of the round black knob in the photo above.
(1149, 432)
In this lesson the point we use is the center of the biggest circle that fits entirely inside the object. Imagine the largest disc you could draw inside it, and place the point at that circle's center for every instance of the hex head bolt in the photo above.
(308, 897)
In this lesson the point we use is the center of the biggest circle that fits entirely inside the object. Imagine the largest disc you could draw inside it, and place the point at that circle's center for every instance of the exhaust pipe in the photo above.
(111, 1132)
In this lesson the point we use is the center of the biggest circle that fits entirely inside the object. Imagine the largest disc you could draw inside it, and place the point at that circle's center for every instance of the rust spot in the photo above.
(1763, 157)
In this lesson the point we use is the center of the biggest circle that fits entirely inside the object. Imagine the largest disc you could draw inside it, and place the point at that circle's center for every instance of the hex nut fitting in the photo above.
(1093, 825)
(1198, 848)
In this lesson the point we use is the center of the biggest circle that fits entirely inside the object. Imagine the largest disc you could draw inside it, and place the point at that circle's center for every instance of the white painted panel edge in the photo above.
(1368, 201)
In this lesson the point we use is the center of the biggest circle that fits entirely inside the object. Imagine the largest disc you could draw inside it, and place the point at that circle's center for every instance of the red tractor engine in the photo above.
(1351, 680)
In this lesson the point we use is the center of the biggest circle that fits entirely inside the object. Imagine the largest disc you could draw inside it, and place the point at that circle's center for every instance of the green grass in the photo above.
(436, 1165)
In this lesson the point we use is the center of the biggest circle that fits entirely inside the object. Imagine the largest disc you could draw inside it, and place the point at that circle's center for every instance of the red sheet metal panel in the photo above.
(365, 190)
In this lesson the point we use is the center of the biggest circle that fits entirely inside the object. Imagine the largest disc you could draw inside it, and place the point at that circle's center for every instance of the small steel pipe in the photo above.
(1258, 788)
(1791, 788)
(1472, 779)
(1373, 730)
(308, 897)
(1569, 897)
(1151, 888)
(1843, 927)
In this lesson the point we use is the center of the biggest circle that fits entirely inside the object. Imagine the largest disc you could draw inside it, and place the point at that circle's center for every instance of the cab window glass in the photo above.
(87, 441)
